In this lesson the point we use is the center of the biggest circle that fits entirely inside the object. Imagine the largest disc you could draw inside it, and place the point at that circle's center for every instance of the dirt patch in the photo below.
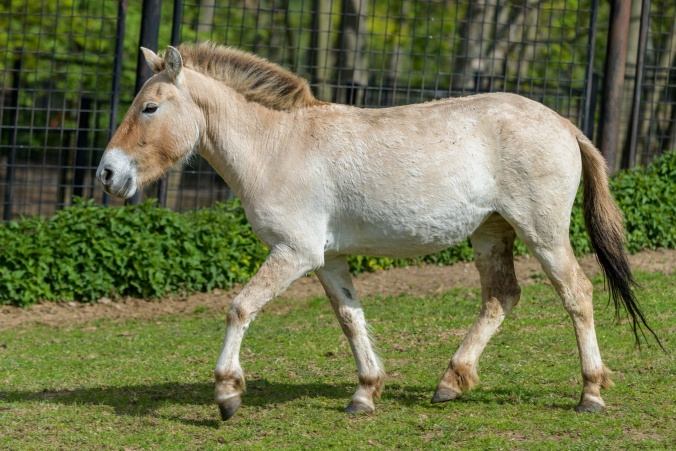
(414, 280)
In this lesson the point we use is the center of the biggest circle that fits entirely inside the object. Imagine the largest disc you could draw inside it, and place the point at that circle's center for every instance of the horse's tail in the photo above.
(605, 226)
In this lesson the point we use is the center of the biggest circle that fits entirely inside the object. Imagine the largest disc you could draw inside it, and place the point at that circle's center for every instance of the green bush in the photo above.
(86, 252)
(647, 198)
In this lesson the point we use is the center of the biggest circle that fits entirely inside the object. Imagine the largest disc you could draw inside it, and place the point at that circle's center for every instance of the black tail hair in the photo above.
(605, 226)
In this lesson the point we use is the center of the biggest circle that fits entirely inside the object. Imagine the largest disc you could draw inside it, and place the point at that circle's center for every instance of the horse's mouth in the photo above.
(127, 189)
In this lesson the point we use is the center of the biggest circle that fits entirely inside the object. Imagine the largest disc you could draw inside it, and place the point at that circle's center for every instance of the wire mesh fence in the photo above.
(371, 53)
(656, 113)
(60, 86)
(375, 54)
(57, 92)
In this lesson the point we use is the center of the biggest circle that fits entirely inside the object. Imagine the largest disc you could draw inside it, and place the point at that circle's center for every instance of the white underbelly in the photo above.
(401, 236)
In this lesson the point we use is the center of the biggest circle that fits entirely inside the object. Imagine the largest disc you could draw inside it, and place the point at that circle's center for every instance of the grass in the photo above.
(147, 384)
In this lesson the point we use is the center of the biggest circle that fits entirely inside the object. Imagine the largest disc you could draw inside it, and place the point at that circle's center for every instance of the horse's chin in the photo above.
(127, 190)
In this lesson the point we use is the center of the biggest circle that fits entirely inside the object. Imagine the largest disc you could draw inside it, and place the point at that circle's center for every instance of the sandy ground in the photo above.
(415, 280)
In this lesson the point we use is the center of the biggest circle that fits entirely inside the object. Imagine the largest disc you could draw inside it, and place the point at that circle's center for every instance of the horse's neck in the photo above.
(240, 137)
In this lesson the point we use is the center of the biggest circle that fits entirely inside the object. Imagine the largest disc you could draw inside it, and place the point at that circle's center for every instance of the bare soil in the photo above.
(415, 280)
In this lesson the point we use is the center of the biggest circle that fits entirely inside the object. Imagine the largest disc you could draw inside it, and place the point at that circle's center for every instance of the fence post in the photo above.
(589, 88)
(14, 121)
(613, 86)
(176, 23)
(163, 183)
(81, 145)
(150, 29)
(117, 75)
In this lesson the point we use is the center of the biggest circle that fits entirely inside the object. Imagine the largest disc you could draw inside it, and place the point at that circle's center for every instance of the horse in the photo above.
(320, 181)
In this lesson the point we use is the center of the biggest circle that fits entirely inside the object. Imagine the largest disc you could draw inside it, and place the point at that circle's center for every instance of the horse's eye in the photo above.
(150, 109)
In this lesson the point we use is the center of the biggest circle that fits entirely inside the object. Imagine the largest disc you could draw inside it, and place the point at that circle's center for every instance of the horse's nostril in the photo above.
(106, 176)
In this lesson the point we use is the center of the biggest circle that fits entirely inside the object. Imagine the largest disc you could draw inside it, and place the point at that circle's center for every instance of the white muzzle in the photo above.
(117, 173)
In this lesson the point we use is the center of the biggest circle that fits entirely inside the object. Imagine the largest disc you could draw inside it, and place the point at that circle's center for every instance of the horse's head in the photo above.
(160, 128)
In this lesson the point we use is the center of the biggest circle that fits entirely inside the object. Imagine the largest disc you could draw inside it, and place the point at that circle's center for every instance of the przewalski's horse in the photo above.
(320, 181)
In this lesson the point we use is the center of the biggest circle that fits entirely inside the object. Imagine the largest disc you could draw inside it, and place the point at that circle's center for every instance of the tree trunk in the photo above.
(319, 58)
(521, 66)
(475, 41)
(613, 85)
(205, 23)
(352, 61)
(510, 27)
(655, 112)
(632, 61)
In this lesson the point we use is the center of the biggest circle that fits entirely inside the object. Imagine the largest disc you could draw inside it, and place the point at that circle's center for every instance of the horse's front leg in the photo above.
(282, 267)
(337, 281)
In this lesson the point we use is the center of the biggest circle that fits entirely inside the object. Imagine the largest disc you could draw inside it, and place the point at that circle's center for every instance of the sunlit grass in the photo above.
(147, 384)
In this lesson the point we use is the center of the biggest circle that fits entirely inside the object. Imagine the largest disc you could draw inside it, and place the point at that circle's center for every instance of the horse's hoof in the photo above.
(229, 407)
(443, 395)
(356, 407)
(589, 407)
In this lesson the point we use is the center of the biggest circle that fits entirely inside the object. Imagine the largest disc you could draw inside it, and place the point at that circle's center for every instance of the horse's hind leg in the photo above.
(336, 279)
(493, 245)
(575, 290)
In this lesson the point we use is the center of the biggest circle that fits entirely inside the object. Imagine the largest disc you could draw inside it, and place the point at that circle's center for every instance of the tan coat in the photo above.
(321, 181)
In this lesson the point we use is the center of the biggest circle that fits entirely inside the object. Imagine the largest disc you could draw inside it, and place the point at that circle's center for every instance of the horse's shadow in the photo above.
(146, 400)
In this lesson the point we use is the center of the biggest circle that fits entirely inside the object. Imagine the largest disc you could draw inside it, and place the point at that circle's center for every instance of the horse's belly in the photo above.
(401, 236)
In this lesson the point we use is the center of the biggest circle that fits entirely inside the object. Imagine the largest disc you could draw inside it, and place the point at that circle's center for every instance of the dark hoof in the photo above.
(356, 407)
(588, 407)
(443, 395)
(229, 407)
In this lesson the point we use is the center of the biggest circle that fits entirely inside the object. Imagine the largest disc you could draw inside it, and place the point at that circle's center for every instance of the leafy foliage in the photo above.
(86, 251)
(648, 200)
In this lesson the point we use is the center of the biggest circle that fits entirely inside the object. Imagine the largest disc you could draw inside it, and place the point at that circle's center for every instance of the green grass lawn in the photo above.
(148, 384)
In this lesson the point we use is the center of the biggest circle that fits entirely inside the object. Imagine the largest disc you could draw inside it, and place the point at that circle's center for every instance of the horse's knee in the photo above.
(237, 314)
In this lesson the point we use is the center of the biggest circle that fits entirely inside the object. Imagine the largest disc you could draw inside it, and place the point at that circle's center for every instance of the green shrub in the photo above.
(86, 252)
(647, 198)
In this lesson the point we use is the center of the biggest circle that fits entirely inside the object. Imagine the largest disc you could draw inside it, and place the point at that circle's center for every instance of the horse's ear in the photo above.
(173, 62)
(153, 61)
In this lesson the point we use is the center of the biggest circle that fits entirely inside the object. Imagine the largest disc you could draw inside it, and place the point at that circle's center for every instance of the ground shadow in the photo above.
(146, 400)
(513, 395)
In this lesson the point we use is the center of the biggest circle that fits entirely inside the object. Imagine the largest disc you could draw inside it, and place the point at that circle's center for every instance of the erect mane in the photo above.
(256, 78)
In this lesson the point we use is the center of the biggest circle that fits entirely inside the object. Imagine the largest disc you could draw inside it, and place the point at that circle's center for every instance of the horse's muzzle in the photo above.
(117, 173)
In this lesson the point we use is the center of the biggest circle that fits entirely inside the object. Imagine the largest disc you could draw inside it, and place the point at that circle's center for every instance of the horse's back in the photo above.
(413, 180)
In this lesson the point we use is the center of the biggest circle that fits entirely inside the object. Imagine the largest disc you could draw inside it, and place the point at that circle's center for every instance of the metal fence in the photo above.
(70, 69)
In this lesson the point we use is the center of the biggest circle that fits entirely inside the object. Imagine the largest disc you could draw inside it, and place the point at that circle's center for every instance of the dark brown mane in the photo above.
(256, 78)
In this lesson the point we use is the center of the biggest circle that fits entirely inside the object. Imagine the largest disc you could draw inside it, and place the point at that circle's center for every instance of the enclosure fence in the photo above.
(71, 68)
